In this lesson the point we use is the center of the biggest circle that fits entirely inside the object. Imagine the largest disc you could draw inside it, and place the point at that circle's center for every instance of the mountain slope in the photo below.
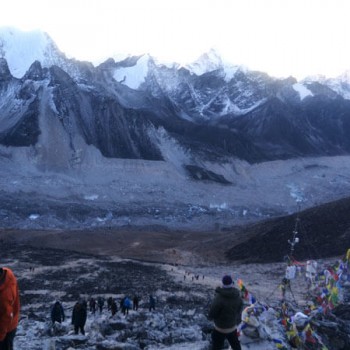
(211, 108)
(204, 138)
(324, 231)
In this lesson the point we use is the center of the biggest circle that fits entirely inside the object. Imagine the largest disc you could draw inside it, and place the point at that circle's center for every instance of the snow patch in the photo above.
(296, 193)
(92, 197)
(302, 90)
(133, 76)
(34, 216)
(223, 206)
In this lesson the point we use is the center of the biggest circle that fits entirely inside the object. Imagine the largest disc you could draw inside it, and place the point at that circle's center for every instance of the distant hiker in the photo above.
(135, 302)
(290, 274)
(311, 272)
(126, 306)
(152, 303)
(100, 303)
(225, 311)
(9, 308)
(114, 307)
(57, 313)
(79, 318)
(92, 305)
(121, 304)
(109, 303)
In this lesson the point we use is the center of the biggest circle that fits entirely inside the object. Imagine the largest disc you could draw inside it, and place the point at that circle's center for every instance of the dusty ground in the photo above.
(175, 247)
(180, 253)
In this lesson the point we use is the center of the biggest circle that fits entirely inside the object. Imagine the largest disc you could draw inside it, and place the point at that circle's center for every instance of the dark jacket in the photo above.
(79, 315)
(226, 308)
(57, 313)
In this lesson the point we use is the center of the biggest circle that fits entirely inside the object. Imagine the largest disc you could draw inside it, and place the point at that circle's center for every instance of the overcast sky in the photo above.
(280, 37)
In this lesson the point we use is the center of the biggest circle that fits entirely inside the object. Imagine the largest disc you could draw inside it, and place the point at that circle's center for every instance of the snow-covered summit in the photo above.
(211, 61)
(21, 49)
(339, 84)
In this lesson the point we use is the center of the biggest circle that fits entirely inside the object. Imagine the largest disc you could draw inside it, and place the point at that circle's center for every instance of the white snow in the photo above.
(296, 193)
(134, 76)
(91, 197)
(23, 48)
(211, 61)
(34, 216)
(302, 90)
(222, 206)
(240, 111)
(207, 62)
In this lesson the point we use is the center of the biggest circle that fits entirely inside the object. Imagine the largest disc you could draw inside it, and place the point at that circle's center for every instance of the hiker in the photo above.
(114, 307)
(57, 313)
(152, 303)
(100, 303)
(109, 303)
(126, 306)
(9, 308)
(121, 304)
(92, 305)
(79, 318)
(225, 311)
(311, 272)
(135, 302)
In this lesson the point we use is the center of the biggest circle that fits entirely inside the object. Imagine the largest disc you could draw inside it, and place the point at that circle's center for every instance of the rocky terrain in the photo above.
(323, 231)
(183, 292)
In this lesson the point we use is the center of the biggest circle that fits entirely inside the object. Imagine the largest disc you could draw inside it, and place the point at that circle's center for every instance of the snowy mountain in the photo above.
(22, 49)
(140, 130)
(219, 106)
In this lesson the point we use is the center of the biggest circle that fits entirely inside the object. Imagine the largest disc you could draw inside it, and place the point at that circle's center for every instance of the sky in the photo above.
(280, 37)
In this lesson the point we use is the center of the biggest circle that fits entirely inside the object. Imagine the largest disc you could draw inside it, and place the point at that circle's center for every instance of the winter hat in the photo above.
(227, 281)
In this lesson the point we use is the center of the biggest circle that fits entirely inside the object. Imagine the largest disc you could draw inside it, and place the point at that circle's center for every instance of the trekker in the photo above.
(225, 311)
(114, 307)
(92, 305)
(121, 304)
(135, 302)
(126, 306)
(57, 313)
(100, 303)
(79, 318)
(9, 308)
(109, 303)
(152, 303)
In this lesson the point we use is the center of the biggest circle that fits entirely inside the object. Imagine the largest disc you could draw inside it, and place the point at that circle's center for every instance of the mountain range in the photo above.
(210, 127)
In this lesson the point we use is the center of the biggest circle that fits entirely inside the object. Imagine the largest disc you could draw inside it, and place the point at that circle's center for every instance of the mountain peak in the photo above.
(21, 49)
(211, 61)
(206, 63)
